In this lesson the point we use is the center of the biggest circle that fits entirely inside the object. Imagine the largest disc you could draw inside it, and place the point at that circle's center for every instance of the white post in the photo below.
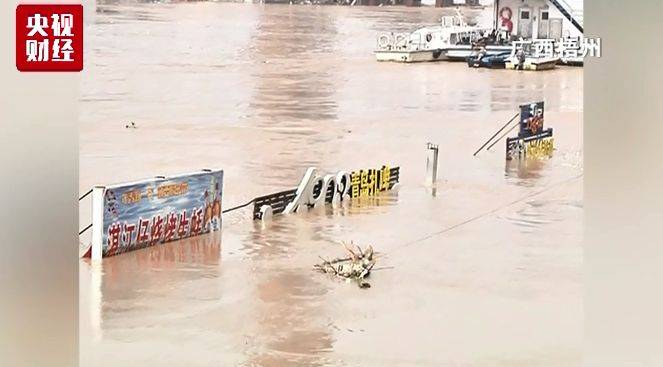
(97, 221)
(266, 213)
(431, 163)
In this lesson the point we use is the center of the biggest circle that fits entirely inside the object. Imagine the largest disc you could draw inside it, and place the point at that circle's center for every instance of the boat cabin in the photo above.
(539, 19)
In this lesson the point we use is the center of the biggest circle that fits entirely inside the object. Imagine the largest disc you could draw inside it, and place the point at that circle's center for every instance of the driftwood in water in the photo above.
(356, 266)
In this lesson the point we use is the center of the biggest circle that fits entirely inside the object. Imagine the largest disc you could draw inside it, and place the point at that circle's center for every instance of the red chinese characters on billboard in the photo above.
(150, 212)
(49, 37)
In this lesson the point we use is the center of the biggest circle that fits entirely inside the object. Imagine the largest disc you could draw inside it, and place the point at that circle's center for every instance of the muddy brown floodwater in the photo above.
(482, 270)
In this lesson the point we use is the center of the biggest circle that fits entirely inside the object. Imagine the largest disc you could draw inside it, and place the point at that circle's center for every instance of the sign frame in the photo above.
(192, 201)
(531, 134)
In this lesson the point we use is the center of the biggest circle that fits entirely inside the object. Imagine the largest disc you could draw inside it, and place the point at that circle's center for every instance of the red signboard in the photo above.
(49, 37)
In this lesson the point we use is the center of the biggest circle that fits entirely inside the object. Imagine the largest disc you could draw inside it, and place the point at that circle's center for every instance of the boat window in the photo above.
(524, 14)
(544, 15)
(452, 39)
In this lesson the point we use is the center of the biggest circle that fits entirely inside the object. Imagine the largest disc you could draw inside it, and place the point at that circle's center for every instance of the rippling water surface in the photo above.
(481, 270)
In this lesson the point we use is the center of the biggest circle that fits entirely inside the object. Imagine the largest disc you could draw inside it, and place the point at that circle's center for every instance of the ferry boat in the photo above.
(453, 39)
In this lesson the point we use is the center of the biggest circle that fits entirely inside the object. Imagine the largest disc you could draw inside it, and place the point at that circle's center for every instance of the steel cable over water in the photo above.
(467, 221)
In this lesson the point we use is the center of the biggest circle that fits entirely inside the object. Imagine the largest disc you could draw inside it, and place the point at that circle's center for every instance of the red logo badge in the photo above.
(49, 37)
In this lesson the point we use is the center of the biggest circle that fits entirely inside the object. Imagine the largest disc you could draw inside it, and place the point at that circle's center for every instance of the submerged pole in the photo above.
(502, 137)
(431, 163)
(494, 135)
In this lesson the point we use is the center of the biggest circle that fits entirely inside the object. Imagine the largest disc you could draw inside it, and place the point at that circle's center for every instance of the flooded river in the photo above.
(484, 269)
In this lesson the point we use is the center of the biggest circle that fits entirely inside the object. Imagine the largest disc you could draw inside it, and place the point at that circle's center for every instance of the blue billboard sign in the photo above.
(146, 213)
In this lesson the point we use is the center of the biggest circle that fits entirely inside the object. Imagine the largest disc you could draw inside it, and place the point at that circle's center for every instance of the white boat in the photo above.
(451, 40)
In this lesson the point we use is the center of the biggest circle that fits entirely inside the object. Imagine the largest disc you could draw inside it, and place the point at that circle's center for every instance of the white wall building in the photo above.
(540, 18)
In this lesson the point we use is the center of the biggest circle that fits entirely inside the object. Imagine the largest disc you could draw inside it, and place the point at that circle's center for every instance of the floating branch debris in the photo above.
(356, 266)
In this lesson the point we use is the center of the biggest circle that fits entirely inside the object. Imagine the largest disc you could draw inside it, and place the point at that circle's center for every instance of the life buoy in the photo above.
(505, 15)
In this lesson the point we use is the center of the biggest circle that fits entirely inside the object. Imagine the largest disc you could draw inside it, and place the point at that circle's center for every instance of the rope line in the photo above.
(84, 195)
(85, 229)
(239, 206)
(528, 196)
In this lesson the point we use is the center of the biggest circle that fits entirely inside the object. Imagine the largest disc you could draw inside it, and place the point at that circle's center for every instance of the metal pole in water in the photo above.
(494, 135)
(431, 163)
